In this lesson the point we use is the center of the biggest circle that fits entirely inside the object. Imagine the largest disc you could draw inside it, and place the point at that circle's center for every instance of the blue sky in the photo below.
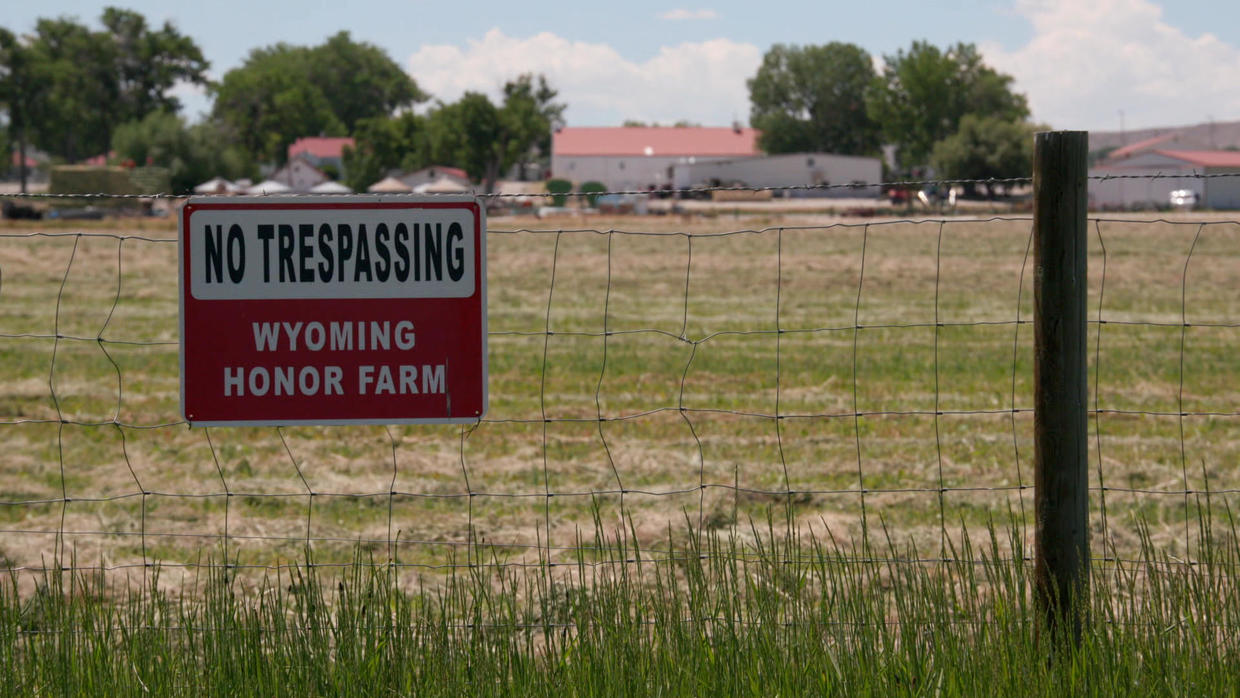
(1080, 63)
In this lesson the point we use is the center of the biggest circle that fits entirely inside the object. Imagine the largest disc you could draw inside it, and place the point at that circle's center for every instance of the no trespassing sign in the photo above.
(333, 310)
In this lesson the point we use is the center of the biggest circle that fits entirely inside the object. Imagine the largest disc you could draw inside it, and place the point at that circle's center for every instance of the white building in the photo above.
(1146, 180)
(321, 151)
(299, 175)
(795, 169)
(639, 158)
(433, 174)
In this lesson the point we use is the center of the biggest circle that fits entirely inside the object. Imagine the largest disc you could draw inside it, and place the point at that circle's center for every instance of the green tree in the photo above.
(485, 139)
(985, 147)
(386, 143)
(468, 133)
(221, 158)
(72, 119)
(96, 80)
(531, 113)
(148, 62)
(924, 92)
(282, 93)
(359, 80)
(270, 101)
(21, 87)
(192, 154)
(812, 99)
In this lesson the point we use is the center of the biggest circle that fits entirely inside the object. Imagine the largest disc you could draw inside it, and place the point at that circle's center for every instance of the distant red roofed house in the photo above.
(1228, 160)
(631, 158)
(1139, 147)
(1160, 172)
(321, 150)
(299, 175)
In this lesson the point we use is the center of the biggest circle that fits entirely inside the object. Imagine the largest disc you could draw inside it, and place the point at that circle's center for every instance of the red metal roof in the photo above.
(319, 147)
(1205, 158)
(1140, 146)
(656, 141)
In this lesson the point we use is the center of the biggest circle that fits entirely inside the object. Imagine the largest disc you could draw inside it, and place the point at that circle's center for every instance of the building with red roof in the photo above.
(1141, 146)
(299, 174)
(320, 150)
(1207, 159)
(1147, 179)
(640, 158)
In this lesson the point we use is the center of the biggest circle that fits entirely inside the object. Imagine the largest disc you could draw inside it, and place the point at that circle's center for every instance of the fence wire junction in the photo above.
(855, 376)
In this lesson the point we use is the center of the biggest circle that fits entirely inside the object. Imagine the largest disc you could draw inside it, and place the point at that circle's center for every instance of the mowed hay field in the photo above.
(649, 376)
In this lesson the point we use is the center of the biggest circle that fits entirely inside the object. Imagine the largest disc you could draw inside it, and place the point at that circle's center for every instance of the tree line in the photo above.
(75, 91)
(67, 88)
(942, 108)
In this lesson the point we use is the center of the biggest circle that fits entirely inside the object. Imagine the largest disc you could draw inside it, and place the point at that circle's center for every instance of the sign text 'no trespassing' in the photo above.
(333, 310)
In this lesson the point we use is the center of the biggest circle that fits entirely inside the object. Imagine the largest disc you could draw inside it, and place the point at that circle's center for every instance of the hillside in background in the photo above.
(1218, 135)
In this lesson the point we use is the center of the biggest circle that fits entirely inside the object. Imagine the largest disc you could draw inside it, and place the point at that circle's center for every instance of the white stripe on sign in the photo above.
(390, 253)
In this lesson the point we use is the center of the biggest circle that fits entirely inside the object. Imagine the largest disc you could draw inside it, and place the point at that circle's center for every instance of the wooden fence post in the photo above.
(1061, 451)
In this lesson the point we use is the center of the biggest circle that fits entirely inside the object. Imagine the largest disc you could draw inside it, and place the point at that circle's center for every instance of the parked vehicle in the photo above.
(1185, 199)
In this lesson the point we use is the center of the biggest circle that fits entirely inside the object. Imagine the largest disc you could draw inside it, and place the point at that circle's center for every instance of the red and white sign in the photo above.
(333, 310)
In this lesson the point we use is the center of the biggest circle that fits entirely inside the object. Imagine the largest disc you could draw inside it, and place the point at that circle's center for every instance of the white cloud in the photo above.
(689, 14)
(702, 81)
(1087, 61)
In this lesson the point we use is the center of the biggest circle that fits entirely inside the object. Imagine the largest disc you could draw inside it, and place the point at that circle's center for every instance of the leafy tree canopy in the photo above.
(813, 99)
(89, 81)
(21, 87)
(473, 133)
(530, 113)
(385, 143)
(469, 134)
(923, 94)
(192, 154)
(986, 147)
(148, 63)
(359, 80)
(285, 92)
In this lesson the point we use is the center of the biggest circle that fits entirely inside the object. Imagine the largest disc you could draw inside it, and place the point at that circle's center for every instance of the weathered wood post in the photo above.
(1061, 477)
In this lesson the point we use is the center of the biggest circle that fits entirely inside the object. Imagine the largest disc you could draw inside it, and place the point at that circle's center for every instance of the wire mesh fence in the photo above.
(867, 381)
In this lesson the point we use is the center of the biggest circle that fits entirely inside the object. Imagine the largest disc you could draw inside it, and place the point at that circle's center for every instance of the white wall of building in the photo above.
(1156, 176)
(299, 175)
(788, 170)
(1154, 192)
(620, 173)
(1221, 192)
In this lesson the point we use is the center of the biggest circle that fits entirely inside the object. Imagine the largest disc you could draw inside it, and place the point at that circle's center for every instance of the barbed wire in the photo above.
(1007, 181)
(905, 184)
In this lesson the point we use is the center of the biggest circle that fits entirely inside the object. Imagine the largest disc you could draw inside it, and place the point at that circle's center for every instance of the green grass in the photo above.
(785, 608)
(780, 615)
(715, 302)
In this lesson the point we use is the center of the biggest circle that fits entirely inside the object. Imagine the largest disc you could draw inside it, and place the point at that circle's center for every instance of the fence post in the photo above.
(1061, 452)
